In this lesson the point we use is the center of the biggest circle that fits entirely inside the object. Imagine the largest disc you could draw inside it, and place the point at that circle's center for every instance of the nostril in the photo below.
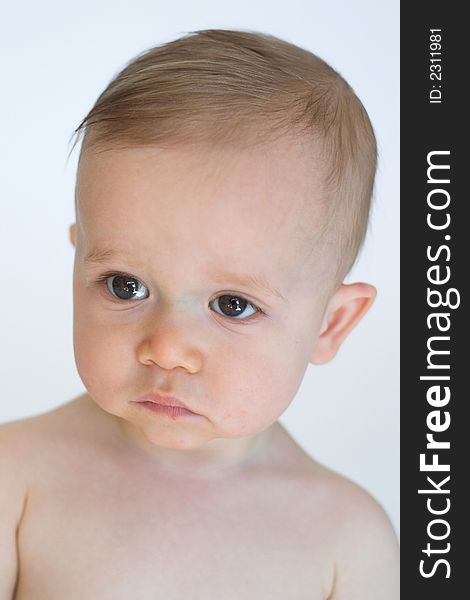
(169, 352)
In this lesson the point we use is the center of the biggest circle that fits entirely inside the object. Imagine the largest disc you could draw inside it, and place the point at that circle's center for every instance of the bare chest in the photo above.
(115, 538)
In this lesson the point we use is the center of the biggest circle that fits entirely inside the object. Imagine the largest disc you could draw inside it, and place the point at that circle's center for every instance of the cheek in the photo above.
(257, 386)
(100, 353)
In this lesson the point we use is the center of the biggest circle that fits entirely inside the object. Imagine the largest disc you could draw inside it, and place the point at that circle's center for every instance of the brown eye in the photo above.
(126, 288)
(233, 306)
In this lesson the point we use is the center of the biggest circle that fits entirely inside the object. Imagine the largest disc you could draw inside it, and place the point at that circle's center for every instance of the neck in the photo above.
(216, 458)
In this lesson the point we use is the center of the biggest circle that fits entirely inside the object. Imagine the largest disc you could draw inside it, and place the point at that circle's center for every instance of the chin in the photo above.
(175, 441)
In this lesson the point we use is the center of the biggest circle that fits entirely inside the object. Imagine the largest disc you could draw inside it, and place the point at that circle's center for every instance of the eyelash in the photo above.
(102, 279)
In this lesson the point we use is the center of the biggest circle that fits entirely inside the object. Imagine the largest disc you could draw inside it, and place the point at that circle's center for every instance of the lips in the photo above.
(163, 400)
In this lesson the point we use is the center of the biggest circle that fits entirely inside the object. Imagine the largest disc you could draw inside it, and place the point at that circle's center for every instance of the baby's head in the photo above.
(223, 193)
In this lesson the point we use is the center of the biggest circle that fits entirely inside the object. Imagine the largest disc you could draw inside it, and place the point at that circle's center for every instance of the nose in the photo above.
(170, 342)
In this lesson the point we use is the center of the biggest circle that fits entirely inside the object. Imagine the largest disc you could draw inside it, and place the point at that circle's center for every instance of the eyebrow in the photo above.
(101, 256)
(258, 282)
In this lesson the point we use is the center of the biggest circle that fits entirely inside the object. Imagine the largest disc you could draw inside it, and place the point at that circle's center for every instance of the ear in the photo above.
(346, 308)
(72, 234)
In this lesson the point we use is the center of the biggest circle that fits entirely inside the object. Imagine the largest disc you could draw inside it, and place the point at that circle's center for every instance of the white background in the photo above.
(55, 60)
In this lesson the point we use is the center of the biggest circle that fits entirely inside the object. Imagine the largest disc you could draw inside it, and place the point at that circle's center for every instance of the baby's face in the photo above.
(191, 278)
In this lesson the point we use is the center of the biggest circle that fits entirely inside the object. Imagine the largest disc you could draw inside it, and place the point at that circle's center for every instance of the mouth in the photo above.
(168, 405)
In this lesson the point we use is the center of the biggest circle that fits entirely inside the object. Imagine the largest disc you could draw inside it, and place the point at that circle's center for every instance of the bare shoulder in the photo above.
(13, 497)
(367, 561)
(30, 450)
(14, 464)
(65, 423)
(357, 533)
(365, 546)
(22, 443)
(32, 447)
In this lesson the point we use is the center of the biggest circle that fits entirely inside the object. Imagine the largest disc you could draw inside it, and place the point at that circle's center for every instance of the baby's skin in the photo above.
(200, 275)
(96, 520)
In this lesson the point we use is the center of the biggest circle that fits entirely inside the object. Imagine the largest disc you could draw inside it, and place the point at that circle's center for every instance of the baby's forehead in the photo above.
(266, 200)
(283, 177)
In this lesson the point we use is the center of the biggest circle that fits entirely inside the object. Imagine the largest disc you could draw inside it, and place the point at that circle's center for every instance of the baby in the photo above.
(222, 195)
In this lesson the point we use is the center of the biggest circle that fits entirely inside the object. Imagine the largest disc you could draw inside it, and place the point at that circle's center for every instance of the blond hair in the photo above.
(230, 87)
